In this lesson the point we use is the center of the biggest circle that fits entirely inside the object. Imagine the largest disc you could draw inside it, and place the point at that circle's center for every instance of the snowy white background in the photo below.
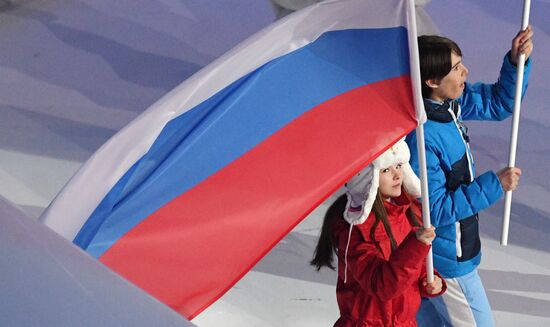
(72, 73)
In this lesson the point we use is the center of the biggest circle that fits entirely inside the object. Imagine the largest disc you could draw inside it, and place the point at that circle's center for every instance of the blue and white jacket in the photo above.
(456, 195)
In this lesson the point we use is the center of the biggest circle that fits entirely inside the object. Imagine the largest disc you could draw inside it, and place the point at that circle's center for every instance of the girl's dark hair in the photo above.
(435, 59)
(325, 249)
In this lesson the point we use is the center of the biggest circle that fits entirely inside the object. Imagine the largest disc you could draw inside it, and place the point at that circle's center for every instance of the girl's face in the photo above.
(452, 85)
(390, 182)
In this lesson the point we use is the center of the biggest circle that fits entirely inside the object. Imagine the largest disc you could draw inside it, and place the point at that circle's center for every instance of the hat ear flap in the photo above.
(411, 183)
(373, 192)
(361, 192)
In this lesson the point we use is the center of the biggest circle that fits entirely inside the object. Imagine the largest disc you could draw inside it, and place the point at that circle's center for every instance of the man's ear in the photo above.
(433, 83)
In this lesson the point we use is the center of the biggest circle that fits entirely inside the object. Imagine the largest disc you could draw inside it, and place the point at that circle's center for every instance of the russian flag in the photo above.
(189, 196)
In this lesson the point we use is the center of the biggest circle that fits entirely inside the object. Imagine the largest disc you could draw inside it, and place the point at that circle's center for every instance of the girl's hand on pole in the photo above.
(434, 287)
(426, 235)
(509, 178)
(522, 44)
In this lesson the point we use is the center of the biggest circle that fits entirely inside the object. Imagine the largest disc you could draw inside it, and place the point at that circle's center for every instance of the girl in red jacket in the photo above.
(380, 245)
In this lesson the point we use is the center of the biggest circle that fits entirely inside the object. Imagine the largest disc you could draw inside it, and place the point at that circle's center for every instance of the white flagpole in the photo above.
(421, 116)
(426, 221)
(515, 127)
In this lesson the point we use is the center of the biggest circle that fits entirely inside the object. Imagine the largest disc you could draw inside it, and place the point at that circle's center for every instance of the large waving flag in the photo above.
(190, 195)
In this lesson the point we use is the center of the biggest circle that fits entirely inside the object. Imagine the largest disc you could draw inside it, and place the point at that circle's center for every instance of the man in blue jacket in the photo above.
(456, 194)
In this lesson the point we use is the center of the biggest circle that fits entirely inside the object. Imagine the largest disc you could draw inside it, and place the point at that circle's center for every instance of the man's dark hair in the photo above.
(435, 59)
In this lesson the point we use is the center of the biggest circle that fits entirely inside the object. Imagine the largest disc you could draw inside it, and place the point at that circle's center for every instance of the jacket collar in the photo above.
(398, 206)
(440, 112)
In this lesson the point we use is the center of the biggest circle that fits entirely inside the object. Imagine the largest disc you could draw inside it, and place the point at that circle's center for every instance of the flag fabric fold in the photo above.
(190, 195)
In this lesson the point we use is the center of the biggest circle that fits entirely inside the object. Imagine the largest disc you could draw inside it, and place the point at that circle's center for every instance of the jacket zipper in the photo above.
(467, 147)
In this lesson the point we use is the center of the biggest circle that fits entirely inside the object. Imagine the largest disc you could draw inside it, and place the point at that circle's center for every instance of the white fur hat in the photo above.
(361, 190)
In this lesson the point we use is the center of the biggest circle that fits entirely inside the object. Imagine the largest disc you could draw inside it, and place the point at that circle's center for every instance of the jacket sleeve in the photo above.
(385, 279)
(494, 101)
(446, 206)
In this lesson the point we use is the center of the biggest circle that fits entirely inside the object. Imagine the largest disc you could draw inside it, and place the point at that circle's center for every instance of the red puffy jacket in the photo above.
(383, 288)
